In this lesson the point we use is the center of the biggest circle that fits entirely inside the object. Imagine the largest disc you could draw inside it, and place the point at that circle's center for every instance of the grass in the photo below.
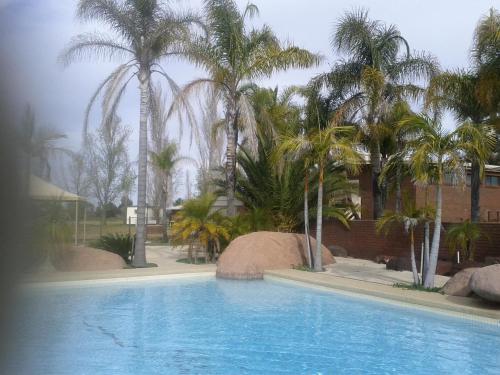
(303, 268)
(201, 260)
(417, 287)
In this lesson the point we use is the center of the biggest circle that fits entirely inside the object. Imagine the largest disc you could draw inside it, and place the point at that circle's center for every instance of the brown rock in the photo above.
(248, 256)
(338, 251)
(87, 259)
(485, 282)
(458, 285)
(466, 264)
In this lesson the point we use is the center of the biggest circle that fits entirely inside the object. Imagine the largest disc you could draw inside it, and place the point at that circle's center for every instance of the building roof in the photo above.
(44, 190)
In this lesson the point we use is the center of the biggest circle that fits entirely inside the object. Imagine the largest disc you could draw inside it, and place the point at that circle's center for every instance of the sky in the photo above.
(33, 33)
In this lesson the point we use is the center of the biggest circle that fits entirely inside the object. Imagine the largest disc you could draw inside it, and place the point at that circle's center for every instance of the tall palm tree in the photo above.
(486, 58)
(378, 69)
(321, 145)
(432, 153)
(234, 56)
(144, 32)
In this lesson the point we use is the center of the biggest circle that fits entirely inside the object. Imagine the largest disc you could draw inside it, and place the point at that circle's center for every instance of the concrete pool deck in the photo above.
(349, 275)
(459, 305)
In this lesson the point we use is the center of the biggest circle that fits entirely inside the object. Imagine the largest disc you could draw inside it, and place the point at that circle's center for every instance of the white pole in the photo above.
(84, 223)
(422, 262)
(76, 222)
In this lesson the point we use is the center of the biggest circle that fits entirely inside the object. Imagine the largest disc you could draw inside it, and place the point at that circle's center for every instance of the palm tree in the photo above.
(165, 162)
(486, 58)
(144, 33)
(199, 222)
(321, 145)
(378, 70)
(410, 216)
(234, 56)
(433, 153)
(458, 92)
(463, 237)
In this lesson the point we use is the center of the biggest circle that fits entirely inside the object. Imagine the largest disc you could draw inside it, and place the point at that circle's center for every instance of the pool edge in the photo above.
(391, 296)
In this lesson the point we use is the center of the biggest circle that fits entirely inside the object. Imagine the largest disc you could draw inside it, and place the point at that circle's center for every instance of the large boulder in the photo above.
(485, 282)
(458, 285)
(248, 256)
(78, 258)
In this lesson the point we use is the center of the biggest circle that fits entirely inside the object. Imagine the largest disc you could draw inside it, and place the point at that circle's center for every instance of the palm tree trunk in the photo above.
(426, 250)
(376, 190)
(474, 192)
(434, 253)
(306, 220)
(232, 141)
(318, 261)
(139, 259)
(398, 190)
(416, 279)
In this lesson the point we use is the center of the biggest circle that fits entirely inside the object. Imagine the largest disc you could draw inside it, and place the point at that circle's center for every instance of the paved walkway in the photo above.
(366, 270)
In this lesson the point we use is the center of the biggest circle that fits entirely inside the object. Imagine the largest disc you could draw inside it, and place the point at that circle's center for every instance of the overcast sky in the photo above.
(34, 32)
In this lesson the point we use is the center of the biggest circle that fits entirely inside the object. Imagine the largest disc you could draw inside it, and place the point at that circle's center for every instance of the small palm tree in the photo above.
(199, 222)
(145, 32)
(165, 162)
(410, 217)
(234, 56)
(321, 145)
(463, 237)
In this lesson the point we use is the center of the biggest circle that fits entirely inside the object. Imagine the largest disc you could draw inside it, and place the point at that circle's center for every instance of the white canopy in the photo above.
(43, 190)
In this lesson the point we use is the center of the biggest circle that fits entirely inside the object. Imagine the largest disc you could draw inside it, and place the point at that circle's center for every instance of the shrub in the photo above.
(117, 243)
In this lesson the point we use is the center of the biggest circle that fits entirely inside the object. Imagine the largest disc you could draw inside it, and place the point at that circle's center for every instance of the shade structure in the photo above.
(44, 190)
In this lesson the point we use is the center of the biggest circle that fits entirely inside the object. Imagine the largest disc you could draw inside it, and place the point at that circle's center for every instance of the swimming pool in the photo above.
(208, 326)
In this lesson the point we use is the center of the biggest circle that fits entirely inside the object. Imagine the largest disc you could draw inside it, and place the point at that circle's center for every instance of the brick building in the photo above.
(456, 198)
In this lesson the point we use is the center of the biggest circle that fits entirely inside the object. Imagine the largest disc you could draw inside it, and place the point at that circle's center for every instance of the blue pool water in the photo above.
(208, 326)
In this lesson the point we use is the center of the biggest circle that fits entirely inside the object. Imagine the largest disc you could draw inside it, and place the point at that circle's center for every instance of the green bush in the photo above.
(120, 244)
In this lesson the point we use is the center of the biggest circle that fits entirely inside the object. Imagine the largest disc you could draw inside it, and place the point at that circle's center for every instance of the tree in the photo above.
(144, 33)
(78, 181)
(472, 95)
(40, 144)
(198, 221)
(108, 162)
(486, 58)
(234, 57)
(410, 217)
(378, 70)
(463, 237)
(434, 153)
(321, 145)
(458, 92)
(165, 162)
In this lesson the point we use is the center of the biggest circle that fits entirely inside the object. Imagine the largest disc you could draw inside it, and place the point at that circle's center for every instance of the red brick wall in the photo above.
(456, 199)
(362, 240)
